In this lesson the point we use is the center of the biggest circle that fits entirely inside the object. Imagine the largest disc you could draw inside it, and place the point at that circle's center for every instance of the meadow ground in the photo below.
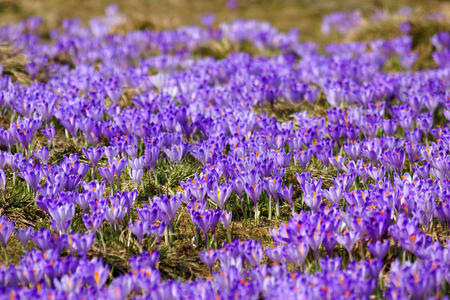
(180, 259)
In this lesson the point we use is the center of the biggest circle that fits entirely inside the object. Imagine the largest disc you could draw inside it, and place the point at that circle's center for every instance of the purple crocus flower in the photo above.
(378, 248)
(113, 90)
(337, 162)
(139, 229)
(348, 240)
(95, 187)
(376, 173)
(98, 273)
(344, 181)
(94, 220)
(282, 159)
(296, 253)
(253, 252)
(314, 237)
(108, 173)
(62, 217)
(225, 219)
(136, 163)
(69, 283)
(32, 176)
(333, 194)
(3, 158)
(151, 156)
(334, 95)
(94, 155)
(423, 171)
(311, 95)
(147, 214)
(208, 257)
(201, 219)
(6, 229)
(115, 214)
(208, 20)
(25, 136)
(221, 194)
(42, 155)
(323, 151)
(377, 223)
(168, 207)
(146, 259)
(329, 242)
(157, 229)
(131, 150)
(111, 152)
(32, 275)
(214, 220)
(405, 27)
(24, 235)
(272, 187)
(176, 152)
(136, 176)
(353, 149)
(335, 132)
(83, 243)
(414, 136)
(413, 152)
(120, 204)
(407, 60)
(91, 130)
(45, 240)
(276, 253)
(120, 165)
(373, 149)
(425, 122)
(394, 159)
(303, 178)
(312, 192)
(442, 58)
(238, 186)
(198, 189)
(286, 193)
(441, 40)
(232, 4)
(441, 165)
(2, 180)
(312, 199)
(253, 192)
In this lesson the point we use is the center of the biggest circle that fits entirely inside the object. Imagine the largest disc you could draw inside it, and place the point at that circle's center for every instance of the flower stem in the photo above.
(270, 207)
(166, 237)
(6, 256)
(103, 241)
(197, 237)
(277, 207)
(155, 176)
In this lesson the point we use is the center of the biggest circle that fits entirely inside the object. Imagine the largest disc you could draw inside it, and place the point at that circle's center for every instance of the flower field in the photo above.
(226, 160)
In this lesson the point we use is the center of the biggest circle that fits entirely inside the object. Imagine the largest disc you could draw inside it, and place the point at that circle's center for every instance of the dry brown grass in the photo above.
(14, 62)
(421, 31)
(150, 14)
(180, 259)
